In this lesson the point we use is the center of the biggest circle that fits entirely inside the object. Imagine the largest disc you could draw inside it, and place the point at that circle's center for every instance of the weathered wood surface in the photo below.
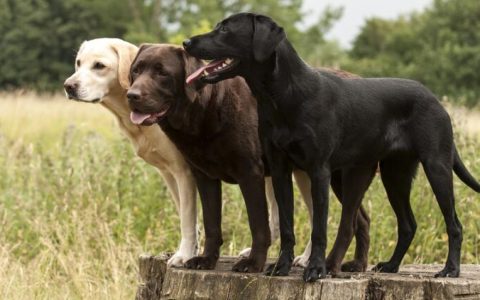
(412, 282)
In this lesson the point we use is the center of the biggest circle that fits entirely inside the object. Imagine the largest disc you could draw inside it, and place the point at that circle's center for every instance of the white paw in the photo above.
(245, 252)
(301, 261)
(178, 260)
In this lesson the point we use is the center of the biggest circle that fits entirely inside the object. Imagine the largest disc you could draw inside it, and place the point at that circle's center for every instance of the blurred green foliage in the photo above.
(439, 46)
(39, 38)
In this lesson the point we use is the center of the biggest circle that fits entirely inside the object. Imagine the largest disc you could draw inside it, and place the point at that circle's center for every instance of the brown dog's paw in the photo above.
(248, 265)
(201, 263)
(333, 268)
(354, 266)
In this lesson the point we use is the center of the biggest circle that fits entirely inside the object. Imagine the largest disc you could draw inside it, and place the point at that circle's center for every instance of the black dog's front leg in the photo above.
(281, 173)
(211, 197)
(320, 182)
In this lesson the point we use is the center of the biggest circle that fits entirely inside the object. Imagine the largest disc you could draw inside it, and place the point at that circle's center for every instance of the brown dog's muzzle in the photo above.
(133, 96)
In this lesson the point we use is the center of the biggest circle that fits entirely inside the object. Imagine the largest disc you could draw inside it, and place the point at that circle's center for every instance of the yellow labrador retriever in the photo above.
(101, 76)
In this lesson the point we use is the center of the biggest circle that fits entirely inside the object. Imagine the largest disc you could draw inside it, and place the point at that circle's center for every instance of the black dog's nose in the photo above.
(187, 43)
(133, 95)
(70, 88)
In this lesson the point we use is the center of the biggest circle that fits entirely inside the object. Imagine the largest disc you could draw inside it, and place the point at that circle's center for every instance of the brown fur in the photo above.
(215, 128)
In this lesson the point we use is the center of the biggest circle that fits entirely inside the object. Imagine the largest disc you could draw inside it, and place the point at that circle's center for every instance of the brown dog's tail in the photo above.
(463, 173)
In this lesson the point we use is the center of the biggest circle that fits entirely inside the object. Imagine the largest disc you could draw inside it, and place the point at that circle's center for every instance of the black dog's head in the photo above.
(239, 41)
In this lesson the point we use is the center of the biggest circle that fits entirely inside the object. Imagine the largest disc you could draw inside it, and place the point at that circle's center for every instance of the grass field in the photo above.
(77, 207)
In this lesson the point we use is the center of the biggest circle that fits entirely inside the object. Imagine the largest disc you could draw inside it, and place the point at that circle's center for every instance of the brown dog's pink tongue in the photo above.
(138, 118)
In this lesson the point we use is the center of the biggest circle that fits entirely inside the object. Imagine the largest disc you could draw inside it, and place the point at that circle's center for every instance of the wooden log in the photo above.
(412, 282)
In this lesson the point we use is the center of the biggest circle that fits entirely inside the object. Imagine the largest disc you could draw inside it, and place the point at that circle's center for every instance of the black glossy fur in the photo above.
(320, 123)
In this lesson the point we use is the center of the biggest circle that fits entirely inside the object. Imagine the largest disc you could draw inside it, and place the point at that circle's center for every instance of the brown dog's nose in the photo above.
(70, 88)
(133, 95)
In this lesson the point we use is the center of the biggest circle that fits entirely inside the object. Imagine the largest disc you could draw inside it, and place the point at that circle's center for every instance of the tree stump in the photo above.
(412, 282)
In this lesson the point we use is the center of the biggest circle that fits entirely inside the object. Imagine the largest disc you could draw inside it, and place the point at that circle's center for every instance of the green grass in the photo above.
(77, 207)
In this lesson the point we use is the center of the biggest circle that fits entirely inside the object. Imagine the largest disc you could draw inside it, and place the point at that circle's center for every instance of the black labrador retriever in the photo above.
(320, 123)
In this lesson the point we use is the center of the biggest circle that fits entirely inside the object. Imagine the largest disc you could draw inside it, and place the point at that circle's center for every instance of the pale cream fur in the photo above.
(150, 143)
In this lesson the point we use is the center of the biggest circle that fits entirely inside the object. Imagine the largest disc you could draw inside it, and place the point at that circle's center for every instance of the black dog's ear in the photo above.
(266, 37)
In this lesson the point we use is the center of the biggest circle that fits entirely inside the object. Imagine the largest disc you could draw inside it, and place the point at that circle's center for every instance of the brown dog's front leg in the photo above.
(361, 228)
(253, 190)
(211, 197)
(355, 182)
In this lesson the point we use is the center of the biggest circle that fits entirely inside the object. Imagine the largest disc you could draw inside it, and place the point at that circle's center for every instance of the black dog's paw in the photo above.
(386, 267)
(201, 263)
(278, 269)
(281, 267)
(354, 266)
(315, 270)
(248, 265)
(448, 272)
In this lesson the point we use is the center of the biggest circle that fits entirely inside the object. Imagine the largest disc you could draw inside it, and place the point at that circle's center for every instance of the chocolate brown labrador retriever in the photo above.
(215, 127)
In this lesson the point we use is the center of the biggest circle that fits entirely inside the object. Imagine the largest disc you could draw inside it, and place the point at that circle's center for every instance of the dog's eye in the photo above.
(223, 29)
(159, 69)
(98, 66)
(78, 63)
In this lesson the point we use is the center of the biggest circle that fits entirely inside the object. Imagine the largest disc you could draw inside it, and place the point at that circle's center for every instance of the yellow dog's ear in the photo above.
(126, 54)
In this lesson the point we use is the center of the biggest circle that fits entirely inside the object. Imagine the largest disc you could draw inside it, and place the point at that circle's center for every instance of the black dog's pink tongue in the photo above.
(138, 118)
(195, 75)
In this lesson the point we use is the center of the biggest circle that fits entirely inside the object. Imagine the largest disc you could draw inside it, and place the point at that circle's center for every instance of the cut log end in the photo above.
(157, 281)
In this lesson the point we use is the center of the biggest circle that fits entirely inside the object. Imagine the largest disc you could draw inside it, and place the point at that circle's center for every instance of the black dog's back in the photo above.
(320, 123)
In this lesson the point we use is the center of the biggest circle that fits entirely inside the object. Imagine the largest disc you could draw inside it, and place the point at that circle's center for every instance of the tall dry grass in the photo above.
(77, 207)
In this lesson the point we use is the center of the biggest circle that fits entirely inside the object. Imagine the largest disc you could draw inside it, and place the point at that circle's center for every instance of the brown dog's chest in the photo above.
(217, 157)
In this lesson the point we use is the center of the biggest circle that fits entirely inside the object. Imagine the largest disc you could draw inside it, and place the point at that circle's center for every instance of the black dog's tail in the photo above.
(463, 173)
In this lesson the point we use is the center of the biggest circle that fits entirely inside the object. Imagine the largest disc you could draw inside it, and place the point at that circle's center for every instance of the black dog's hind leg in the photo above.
(397, 176)
(253, 190)
(210, 191)
(355, 182)
(362, 228)
(316, 268)
(439, 174)
(281, 173)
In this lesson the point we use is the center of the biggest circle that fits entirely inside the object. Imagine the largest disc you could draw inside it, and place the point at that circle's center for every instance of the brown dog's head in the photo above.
(157, 78)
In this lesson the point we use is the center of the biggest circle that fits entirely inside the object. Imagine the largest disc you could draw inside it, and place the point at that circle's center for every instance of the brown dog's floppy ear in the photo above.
(126, 54)
(266, 37)
(191, 64)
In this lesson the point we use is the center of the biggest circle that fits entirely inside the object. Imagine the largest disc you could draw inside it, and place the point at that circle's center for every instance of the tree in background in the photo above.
(440, 47)
(39, 38)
